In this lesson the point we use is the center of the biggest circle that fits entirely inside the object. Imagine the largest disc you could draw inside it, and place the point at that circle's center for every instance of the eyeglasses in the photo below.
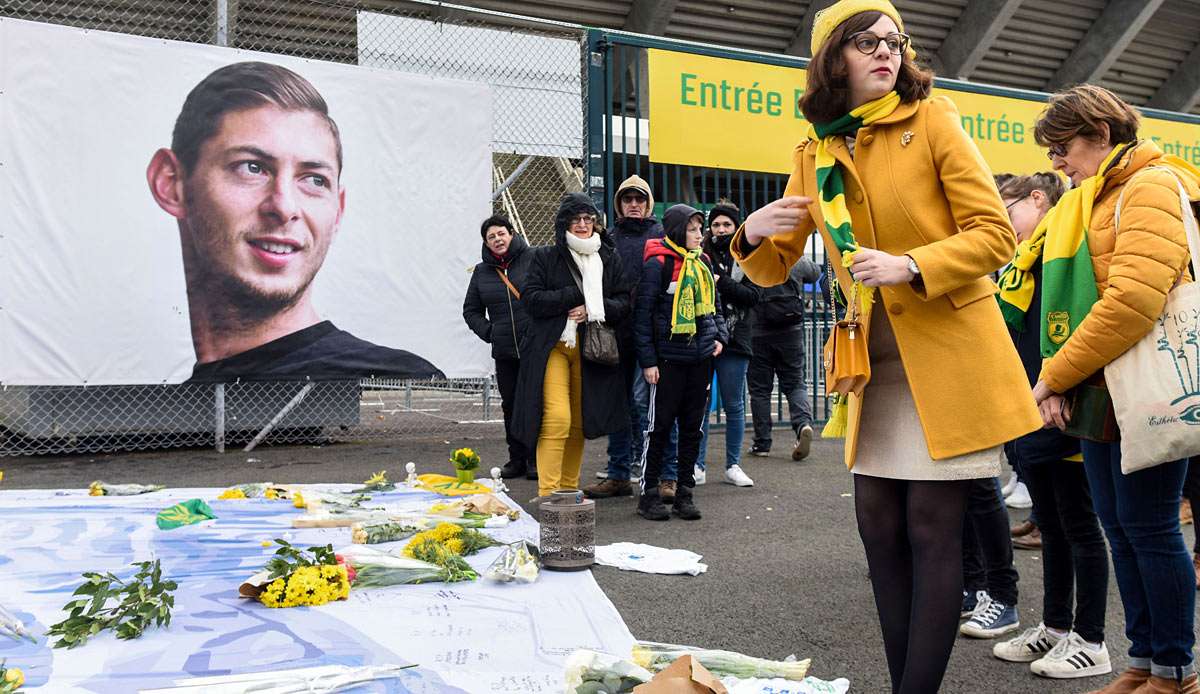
(1053, 151)
(1009, 206)
(583, 219)
(633, 197)
(866, 42)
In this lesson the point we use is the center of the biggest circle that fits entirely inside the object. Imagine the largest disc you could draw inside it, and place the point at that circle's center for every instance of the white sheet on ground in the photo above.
(630, 556)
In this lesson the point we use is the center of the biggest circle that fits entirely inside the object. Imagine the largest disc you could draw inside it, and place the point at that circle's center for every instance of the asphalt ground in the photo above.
(786, 570)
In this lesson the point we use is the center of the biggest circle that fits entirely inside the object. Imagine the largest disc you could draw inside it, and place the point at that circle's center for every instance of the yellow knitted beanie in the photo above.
(829, 18)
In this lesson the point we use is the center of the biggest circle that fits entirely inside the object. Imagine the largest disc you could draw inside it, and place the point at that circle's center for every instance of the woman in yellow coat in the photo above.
(1123, 279)
(889, 177)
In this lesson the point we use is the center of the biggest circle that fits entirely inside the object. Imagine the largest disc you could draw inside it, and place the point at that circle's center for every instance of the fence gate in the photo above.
(618, 145)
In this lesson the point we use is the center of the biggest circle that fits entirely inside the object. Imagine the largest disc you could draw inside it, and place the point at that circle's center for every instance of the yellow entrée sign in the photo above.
(734, 114)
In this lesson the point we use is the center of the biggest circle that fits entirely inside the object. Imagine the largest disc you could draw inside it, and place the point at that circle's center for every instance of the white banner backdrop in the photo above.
(535, 79)
(92, 285)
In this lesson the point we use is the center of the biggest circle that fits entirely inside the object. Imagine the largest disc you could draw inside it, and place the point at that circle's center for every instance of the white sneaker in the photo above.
(1010, 485)
(1028, 647)
(1020, 497)
(737, 477)
(1071, 658)
(699, 475)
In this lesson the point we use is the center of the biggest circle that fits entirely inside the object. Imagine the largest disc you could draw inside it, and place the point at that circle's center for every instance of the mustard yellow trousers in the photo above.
(560, 442)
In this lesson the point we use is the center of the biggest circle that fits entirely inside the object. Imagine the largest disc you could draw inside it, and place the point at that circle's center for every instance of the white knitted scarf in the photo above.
(586, 254)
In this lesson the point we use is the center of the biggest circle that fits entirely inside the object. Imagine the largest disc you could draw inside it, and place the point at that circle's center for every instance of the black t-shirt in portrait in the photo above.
(319, 352)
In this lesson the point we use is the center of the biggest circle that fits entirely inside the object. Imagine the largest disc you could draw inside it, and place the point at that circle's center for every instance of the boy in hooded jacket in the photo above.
(677, 332)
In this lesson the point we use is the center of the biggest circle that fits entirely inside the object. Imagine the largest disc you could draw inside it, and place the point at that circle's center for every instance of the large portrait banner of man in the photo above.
(175, 212)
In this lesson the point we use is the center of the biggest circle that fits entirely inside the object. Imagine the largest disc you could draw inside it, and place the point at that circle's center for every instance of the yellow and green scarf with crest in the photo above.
(694, 290)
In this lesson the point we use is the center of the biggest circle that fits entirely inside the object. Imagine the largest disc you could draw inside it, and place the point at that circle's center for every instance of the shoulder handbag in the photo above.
(1155, 385)
(847, 363)
(599, 344)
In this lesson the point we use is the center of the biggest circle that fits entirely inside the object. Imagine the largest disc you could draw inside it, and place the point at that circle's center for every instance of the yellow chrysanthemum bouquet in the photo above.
(445, 545)
(298, 577)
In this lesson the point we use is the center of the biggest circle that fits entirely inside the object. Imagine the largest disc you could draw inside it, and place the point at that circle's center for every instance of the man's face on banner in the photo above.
(263, 205)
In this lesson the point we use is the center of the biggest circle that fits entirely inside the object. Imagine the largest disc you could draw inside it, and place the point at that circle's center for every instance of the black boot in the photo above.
(684, 506)
(531, 469)
(513, 468)
(650, 506)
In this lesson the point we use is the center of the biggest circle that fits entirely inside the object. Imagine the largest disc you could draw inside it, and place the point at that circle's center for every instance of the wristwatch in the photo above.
(912, 266)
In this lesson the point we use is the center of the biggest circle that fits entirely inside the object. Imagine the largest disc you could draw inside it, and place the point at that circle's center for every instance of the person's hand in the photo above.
(1041, 391)
(651, 375)
(878, 269)
(578, 314)
(778, 217)
(718, 349)
(1055, 411)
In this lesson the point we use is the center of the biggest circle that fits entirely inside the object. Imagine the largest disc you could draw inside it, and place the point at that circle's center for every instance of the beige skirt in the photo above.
(891, 442)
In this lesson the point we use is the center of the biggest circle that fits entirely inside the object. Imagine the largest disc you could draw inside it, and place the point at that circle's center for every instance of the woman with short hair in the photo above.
(1093, 311)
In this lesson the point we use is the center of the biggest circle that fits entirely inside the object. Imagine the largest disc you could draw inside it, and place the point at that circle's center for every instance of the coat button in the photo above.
(896, 309)
(867, 139)
(858, 196)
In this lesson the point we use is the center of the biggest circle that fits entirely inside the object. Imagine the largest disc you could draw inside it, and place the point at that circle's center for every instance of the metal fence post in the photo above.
(487, 397)
(219, 414)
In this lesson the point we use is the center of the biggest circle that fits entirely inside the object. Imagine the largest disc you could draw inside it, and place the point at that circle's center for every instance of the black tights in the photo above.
(912, 532)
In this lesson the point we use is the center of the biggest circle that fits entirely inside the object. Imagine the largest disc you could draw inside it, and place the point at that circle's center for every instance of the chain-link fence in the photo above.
(536, 71)
(533, 69)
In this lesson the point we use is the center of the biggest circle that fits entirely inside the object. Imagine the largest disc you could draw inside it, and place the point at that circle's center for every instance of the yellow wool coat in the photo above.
(1134, 269)
(917, 185)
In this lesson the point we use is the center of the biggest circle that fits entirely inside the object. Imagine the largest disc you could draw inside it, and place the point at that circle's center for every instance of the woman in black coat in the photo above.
(738, 298)
(494, 311)
(563, 398)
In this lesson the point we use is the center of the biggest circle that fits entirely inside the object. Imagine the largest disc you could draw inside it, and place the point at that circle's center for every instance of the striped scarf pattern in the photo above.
(694, 291)
(1018, 281)
(1068, 280)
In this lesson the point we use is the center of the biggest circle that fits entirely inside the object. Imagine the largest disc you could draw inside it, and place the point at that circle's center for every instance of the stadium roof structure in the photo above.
(1147, 51)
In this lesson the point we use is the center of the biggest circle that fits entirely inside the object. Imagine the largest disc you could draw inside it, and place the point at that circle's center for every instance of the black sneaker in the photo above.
(651, 507)
(759, 451)
(684, 507)
(513, 468)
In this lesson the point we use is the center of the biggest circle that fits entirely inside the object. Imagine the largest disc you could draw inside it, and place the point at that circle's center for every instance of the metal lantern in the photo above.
(568, 531)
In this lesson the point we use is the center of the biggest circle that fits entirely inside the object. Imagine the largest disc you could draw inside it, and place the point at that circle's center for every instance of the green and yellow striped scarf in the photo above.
(694, 292)
(831, 185)
(1018, 282)
(831, 198)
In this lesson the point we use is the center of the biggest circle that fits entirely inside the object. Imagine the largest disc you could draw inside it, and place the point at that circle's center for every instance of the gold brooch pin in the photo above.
(905, 138)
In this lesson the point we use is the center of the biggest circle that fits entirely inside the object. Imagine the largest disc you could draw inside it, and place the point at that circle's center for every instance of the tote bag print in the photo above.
(1156, 384)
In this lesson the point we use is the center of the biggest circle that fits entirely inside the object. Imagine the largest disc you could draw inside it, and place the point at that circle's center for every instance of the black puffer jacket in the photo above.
(630, 237)
(656, 294)
(490, 309)
(550, 292)
(738, 296)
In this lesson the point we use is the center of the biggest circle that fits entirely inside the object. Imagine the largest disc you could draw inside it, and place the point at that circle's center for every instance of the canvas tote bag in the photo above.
(1155, 385)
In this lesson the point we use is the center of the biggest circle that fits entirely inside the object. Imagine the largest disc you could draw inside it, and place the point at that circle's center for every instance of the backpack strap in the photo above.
(511, 288)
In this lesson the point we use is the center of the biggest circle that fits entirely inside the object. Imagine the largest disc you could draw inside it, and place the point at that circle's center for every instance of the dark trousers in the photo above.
(779, 354)
(1191, 489)
(680, 396)
(987, 546)
(506, 381)
(1140, 516)
(1073, 552)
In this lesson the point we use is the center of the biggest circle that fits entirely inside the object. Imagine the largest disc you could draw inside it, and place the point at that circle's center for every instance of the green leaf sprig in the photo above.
(107, 602)
(288, 558)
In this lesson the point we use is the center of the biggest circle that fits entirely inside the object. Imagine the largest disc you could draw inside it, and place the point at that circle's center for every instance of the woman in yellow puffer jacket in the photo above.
(1092, 138)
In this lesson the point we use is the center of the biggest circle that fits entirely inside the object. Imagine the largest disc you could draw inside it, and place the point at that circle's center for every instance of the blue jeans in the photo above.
(626, 449)
(731, 381)
(1140, 515)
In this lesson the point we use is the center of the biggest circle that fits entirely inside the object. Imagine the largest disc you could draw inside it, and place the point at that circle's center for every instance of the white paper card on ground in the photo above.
(1155, 385)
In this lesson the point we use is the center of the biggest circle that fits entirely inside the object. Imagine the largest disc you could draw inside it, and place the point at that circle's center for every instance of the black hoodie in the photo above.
(490, 308)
